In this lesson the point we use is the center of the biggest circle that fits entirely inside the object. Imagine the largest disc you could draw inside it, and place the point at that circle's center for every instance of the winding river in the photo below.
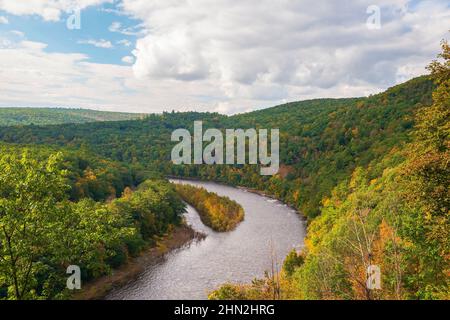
(270, 230)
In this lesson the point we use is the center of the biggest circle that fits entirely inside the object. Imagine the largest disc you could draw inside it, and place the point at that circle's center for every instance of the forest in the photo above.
(48, 116)
(54, 214)
(393, 213)
(219, 213)
(321, 141)
(371, 174)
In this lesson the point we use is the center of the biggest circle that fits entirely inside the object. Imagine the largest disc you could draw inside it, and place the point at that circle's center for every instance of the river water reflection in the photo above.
(237, 256)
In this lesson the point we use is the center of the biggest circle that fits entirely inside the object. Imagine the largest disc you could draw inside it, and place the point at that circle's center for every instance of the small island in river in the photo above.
(219, 213)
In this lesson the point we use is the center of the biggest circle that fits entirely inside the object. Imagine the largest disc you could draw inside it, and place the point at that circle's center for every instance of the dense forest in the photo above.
(321, 141)
(44, 116)
(219, 213)
(393, 213)
(370, 173)
(53, 214)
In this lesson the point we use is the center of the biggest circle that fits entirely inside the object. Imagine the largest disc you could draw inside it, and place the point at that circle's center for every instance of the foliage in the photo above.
(322, 141)
(372, 174)
(89, 175)
(220, 213)
(30, 195)
(293, 260)
(41, 232)
(394, 213)
(43, 116)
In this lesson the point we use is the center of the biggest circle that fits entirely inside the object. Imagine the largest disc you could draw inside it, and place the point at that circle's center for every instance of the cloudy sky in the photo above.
(210, 55)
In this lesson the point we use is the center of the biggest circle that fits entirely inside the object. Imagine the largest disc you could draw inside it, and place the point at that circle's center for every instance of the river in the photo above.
(270, 230)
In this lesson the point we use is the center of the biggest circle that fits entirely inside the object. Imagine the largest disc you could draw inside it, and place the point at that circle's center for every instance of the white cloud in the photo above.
(5, 43)
(4, 20)
(17, 33)
(31, 76)
(102, 43)
(53, 78)
(124, 42)
(272, 50)
(116, 12)
(230, 57)
(49, 10)
(128, 59)
(115, 26)
(136, 30)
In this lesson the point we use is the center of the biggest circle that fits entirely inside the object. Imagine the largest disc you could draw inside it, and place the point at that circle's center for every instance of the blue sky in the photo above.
(95, 24)
(205, 55)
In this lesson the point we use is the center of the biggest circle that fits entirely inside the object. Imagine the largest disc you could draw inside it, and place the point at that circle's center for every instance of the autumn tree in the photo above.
(427, 176)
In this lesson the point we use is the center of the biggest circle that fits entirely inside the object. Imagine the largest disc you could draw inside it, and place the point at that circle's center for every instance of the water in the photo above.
(238, 256)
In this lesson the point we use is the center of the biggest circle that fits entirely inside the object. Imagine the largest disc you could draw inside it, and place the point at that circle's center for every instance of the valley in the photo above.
(370, 174)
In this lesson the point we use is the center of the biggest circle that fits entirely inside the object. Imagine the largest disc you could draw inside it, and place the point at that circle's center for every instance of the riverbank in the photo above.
(99, 288)
(238, 256)
(245, 189)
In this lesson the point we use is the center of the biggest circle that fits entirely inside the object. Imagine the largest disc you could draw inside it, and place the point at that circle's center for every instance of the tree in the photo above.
(292, 261)
(30, 202)
(427, 176)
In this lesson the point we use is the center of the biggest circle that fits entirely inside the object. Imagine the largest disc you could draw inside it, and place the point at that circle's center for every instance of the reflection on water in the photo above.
(237, 256)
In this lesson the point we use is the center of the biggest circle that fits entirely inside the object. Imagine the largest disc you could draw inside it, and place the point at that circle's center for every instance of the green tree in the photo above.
(292, 261)
(30, 203)
(427, 176)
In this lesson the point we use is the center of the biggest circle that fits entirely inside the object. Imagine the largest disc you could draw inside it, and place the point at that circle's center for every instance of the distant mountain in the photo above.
(50, 116)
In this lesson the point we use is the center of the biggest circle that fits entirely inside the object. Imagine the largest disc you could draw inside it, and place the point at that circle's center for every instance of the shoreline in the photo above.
(98, 289)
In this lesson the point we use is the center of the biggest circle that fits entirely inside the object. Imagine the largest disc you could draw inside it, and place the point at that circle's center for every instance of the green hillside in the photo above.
(371, 174)
(390, 216)
(44, 116)
(74, 205)
(322, 141)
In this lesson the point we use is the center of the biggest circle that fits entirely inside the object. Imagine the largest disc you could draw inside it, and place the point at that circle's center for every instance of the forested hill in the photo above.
(60, 205)
(372, 174)
(322, 141)
(46, 116)
(389, 211)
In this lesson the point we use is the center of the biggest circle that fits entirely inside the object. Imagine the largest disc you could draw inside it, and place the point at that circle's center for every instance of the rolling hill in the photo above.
(322, 140)
(371, 174)
(49, 116)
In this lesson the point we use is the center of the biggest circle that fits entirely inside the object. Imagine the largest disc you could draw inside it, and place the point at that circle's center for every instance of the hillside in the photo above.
(44, 116)
(371, 174)
(74, 205)
(322, 141)
(383, 232)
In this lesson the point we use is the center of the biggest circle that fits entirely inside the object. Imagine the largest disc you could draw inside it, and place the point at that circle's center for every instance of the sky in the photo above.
(210, 55)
